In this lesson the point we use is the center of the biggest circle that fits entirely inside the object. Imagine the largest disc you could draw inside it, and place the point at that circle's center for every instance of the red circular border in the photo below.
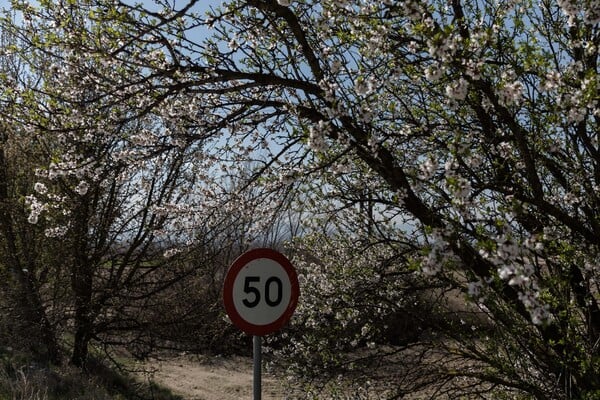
(236, 267)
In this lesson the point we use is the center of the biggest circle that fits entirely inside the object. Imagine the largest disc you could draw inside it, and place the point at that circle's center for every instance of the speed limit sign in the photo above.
(260, 291)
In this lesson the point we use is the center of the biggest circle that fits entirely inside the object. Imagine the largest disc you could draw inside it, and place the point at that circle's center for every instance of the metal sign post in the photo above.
(257, 383)
(260, 294)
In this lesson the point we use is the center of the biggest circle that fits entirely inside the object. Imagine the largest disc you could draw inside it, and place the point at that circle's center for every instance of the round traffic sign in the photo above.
(261, 291)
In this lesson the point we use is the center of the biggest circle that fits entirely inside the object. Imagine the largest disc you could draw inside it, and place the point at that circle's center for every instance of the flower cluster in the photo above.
(511, 93)
(589, 10)
(458, 89)
(36, 207)
(437, 255)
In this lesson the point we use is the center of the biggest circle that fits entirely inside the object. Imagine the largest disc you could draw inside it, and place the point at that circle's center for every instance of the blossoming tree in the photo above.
(18, 240)
(469, 129)
(101, 242)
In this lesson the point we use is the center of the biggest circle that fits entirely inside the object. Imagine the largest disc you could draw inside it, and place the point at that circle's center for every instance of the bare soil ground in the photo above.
(214, 378)
(230, 378)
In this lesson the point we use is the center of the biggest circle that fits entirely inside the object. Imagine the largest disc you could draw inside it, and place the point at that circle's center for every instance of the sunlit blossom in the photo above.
(457, 90)
(40, 188)
(82, 188)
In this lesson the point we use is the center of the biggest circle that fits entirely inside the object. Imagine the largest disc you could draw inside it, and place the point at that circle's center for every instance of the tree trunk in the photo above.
(37, 315)
(81, 281)
(83, 335)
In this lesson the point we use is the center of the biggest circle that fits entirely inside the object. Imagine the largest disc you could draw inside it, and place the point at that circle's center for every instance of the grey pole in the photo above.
(257, 342)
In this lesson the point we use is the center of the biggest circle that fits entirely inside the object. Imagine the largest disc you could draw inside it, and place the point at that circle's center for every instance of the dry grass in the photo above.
(23, 385)
(32, 381)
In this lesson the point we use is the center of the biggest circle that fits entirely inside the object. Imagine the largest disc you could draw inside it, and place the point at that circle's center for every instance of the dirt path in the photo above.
(213, 379)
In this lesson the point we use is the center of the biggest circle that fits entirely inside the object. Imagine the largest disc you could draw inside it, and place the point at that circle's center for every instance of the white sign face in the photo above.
(261, 291)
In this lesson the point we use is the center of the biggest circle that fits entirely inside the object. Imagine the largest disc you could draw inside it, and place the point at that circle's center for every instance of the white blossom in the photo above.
(433, 72)
(458, 89)
(82, 188)
(40, 188)
(56, 232)
(428, 168)
(511, 93)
